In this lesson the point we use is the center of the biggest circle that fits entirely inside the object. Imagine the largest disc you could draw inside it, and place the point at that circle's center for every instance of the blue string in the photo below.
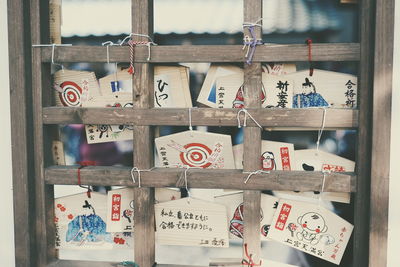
(253, 43)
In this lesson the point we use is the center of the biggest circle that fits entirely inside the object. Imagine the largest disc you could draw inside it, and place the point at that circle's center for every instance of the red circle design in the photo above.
(196, 155)
(71, 94)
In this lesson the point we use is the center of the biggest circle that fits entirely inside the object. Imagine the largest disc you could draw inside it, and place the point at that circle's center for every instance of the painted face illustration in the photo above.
(313, 222)
(308, 87)
(312, 225)
(268, 161)
(239, 99)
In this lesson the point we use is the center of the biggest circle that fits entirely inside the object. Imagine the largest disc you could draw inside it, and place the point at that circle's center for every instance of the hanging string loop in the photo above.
(246, 113)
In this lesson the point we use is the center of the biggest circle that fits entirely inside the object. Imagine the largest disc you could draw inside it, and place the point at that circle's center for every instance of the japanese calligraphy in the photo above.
(162, 91)
(312, 229)
(191, 222)
(282, 94)
(350, 94)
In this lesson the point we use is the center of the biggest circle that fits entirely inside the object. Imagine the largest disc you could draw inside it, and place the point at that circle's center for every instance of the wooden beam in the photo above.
(21, 130)
(68, 263)
(227, 179)
(75, 263)
(363, 147)
(205, 53)
(252, 12)
(304, 118)
(382, 104)
(44, 194)
(142, 23)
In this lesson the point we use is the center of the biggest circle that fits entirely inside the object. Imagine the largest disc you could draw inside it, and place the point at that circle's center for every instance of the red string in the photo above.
(309, 43)
(82, 165)
(132, 45)
(249, 261)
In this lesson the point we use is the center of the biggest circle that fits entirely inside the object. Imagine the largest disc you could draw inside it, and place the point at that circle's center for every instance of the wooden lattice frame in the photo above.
(32, 115)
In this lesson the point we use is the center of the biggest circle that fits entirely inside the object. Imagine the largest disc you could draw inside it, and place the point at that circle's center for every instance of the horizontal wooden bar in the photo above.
(305, 118)
(204, 53)
(76, 263)
(225, 179)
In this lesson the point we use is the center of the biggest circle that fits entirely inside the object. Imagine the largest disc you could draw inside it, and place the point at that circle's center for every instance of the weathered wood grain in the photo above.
(142, 23)
(205, 53)
(68, 263)
(228, 179)
(74, 263)
(363, 147)
(381, 121)
(304, 118)
(44, 203)
(252, 137)
(21, 130)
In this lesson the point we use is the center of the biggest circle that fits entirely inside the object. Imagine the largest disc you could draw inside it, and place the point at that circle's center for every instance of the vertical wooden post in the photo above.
(44, 194)
(252, 138)
(142, 23)
(55, 21)
(19, 62)
(382, 104)
(363, 157)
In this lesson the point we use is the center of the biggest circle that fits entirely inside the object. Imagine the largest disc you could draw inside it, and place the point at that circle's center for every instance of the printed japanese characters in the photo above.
(274, 92)
(278, 91)
(323, 89)
(274, 156)
(108, 133)
(73, 88)
(120, 209)
(234, 205)
(195, 149)
(311, 229)
(208, 92)
(81, 222)
(223, 87)
(191, 222)
(171, 87)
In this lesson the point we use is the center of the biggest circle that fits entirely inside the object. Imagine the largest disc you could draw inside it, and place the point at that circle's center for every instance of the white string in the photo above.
(320, 131)
(148, 44)
(108, 44)
(133, 175)
(52, 51)
(246, 113)
(136, 169)
(248, 24)
(186, 182)
(185, 174)
(190, 121)
(324, 172)
(53, 48)
(50, 45)
(253, 173)
(246, 39)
